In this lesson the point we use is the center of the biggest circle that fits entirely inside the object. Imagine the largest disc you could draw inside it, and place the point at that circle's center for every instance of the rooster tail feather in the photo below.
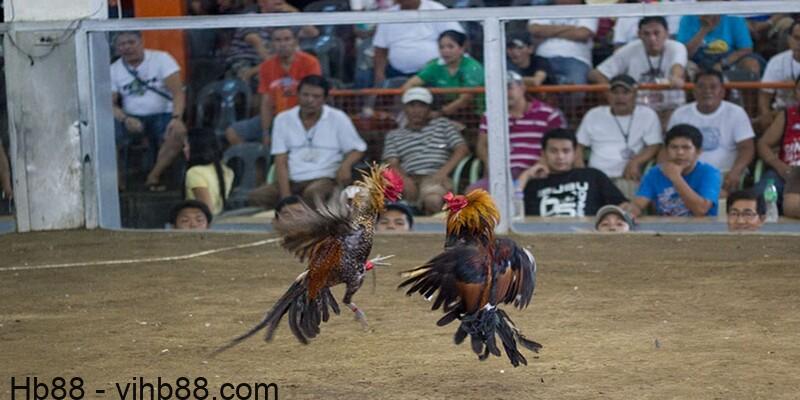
(482, 327)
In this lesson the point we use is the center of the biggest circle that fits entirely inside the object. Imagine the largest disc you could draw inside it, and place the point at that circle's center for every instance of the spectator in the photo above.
(784, 133)
(207, 178)
(424, 152)
(528, 120)
(567, 45)
(453, 69)
(523, 60)
(396, 218)
(783, 67)
(314, 148)
(627, 29)
(613, 218)
(746, 211)
(791, 194)
(148, 97)
(278, 78)
(727, 134)
(567, 191)
(6, 190)
(682, 185)
(623, 136)
(191, 215)
(403, 49)
(719, 42)
(653, 58)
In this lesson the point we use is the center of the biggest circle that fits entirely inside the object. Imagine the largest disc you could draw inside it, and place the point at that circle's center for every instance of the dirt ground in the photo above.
(622, 317)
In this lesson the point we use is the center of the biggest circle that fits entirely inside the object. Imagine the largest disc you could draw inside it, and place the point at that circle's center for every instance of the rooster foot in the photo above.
(360, 316)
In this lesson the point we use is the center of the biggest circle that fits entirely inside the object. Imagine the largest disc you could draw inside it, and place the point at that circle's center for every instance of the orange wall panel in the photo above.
(172, 42)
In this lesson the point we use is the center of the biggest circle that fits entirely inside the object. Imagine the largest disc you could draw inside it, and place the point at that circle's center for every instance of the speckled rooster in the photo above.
(336, 240)
(474, 274)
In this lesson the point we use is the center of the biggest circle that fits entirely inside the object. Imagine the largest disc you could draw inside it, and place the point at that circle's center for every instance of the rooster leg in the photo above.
(347, 300)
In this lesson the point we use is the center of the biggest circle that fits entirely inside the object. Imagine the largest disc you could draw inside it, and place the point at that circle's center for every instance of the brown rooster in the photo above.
(474, 274)
(335, 239)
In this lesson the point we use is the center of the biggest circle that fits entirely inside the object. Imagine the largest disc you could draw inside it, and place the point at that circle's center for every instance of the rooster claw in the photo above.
(360, 316)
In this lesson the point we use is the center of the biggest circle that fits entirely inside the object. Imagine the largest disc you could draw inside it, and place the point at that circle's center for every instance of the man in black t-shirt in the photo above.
(557, 188)
(534, 69)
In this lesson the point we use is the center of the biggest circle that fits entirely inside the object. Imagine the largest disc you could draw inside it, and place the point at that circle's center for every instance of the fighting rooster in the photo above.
(474, 274)
(336, 239)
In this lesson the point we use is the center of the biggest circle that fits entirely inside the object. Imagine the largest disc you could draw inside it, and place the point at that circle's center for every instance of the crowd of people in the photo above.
(666, 152)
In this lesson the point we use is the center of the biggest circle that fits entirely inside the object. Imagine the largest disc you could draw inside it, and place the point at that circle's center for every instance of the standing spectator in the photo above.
(719, 42)
(395, 218)
(403, 49)
(784, 133)
(278, 78)
(424, 152)
(523, 60)
(148, 97)
(746, 211)
(727, 134)
(314, 148)
(791, 194)
(207, 178)
(528, 120)
(783, 67)
(653, 58)
(191, 215)
(623, 136)
(567, 191)
(6, 190)
(567, 45)
(681, 186)
(453, 68)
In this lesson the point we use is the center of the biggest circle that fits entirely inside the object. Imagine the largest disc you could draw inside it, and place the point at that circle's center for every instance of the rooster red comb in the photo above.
(393, 184)
(455, 202)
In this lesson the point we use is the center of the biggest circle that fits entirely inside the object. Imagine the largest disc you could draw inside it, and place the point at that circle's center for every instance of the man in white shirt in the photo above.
(728, 137)
(314, 147)
(148, 100)
(783, 67)
(627, 29)
(653, 58)
(567, 45)
(623, 136)
(403, 49)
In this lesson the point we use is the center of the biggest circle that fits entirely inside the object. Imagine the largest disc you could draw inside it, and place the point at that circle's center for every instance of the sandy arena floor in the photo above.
(623, 317)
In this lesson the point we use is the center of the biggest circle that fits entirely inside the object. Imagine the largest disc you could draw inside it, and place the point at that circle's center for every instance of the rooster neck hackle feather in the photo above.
(477, 219)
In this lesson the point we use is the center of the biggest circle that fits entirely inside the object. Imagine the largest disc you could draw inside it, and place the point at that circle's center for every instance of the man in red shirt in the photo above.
(278, 78)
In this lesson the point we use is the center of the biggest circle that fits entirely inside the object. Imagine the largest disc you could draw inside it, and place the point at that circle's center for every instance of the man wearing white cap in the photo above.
(425, 151)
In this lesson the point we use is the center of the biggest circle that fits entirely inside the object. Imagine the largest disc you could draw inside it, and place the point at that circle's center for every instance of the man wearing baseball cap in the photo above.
(623, 136)
(424, 151)
(523, 61)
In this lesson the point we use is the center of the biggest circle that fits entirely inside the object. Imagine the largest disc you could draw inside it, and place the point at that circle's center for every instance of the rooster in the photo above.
(335, 239)
(474, 274)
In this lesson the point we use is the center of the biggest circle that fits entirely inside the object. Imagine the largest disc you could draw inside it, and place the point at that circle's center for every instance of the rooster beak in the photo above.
(445, 207)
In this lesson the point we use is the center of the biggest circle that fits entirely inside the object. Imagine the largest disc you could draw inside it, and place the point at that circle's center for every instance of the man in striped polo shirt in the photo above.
(528, 120)
(425, 151)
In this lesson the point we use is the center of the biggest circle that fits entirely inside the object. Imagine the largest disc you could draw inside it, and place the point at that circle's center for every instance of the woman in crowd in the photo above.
(206, 176)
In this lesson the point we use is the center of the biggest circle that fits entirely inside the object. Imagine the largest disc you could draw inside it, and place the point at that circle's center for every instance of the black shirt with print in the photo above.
(576, 193)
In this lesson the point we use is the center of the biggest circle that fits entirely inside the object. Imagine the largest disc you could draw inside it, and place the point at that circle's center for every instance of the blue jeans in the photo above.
(568, 70)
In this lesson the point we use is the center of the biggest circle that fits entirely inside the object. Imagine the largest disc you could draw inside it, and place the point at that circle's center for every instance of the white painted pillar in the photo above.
(44, 114)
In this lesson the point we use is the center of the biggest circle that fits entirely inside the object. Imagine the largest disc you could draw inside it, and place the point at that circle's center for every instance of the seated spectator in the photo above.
(149, 101)
(727, 133)
(424, 152)
(784, 134)
(746, 211)
(567, 191)
(207, 178)
(191, 215)
(453, 68)
(395, 218)
(528, 120)
(719, 42)
(278, 78)
(403, 49)
(627, 29)
(288, 205)
(567, 45)
(791, 194)
(314, 148)
(523, 60)
(681, 186)
(6, 190)
(653, 58)
(783, 67)
(613, 218)
(623, 136)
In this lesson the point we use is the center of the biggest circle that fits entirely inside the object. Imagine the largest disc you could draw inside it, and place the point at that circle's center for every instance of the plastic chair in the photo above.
(457, 172)
(245, 159)
(328, 47)
(475, 170)
(227, 91)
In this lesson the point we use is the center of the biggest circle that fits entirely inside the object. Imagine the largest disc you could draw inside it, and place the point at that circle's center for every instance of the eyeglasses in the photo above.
(746, 214)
